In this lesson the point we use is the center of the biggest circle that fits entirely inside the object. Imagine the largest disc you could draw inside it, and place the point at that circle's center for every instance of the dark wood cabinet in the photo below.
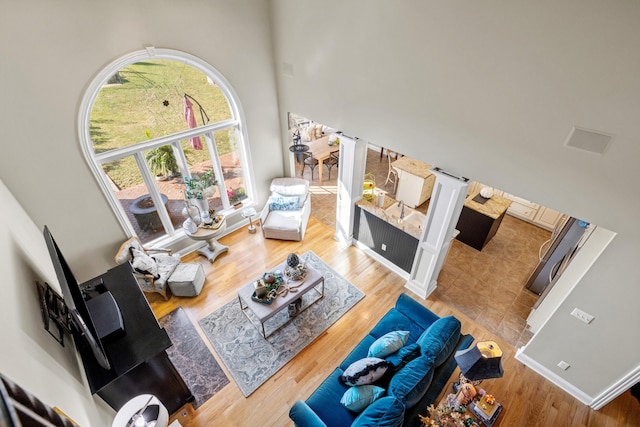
(384, 239)
(477, 229)
(139, 362)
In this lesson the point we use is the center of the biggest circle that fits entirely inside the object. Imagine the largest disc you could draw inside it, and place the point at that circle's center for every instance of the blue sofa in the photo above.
(413, 381)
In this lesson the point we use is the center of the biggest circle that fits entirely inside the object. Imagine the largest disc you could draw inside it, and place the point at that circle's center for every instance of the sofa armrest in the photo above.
(303, 416)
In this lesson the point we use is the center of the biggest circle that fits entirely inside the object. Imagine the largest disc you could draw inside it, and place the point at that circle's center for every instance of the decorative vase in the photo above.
(203, 205)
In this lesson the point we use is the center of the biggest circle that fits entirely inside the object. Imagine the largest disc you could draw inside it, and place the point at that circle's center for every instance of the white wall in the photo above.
(49, 52)
(490, 90)
(30, 356)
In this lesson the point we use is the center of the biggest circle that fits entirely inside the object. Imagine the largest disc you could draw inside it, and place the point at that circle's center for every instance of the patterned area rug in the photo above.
(192, 357)
(249, 357)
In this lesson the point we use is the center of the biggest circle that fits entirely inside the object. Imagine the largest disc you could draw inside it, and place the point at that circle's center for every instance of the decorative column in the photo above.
(449, 192)
(353, 160)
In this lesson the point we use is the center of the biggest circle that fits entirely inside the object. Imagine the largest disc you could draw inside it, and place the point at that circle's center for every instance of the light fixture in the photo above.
(480, 362)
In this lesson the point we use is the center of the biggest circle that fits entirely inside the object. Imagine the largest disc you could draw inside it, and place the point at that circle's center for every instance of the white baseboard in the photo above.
(554, 378)
(382, 260)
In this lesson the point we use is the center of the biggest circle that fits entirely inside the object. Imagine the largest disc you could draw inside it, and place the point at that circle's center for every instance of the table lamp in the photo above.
(480, 362)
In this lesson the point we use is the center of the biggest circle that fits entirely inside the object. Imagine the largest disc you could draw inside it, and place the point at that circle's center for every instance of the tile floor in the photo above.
(485, 285)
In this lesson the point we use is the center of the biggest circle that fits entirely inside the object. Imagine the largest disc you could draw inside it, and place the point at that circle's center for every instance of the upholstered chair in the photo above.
(286, 214)
(152, 272)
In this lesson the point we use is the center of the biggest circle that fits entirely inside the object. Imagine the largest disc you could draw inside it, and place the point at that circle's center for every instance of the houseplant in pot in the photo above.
(198, 189)
(162, 162)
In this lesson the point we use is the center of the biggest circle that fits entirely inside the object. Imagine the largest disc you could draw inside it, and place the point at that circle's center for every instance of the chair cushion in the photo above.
(166, 265)
(357, 398)
(284, 203)
(440, 339)
(290, 186)
(143, 263)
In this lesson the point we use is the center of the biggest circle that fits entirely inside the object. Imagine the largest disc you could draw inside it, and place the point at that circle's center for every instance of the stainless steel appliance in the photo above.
(556, 253)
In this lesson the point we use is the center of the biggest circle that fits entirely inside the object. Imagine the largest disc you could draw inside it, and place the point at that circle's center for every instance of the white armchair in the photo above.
(286, 214)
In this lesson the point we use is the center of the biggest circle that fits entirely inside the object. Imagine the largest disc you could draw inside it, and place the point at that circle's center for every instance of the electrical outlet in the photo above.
(383, 247)
(579, 314)
(563, 365)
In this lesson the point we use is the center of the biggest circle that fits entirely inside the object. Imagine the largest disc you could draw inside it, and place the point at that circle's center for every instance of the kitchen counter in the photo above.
(380, 213)
(493, 208)
(413, 166)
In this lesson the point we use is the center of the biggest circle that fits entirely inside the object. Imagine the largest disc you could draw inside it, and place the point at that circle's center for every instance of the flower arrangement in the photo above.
(446, 416)
(201, 187)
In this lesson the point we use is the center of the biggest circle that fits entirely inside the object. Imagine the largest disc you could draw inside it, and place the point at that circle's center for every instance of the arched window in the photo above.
(153, 119)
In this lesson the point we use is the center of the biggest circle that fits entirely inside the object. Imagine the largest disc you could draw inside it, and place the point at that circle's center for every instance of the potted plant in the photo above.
(198, 190)
(162, 162)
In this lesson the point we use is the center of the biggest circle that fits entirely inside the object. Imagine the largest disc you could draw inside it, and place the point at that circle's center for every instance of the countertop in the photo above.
(493, 208)
(413, 166)
(380, 213)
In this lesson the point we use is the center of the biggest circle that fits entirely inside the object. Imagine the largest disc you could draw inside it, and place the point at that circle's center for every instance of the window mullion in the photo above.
(154, 191)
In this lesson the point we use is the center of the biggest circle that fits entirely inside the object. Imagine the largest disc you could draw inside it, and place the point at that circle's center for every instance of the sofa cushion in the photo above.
(401, 357)
(359, 397)
(388, 344)
(364, 371)
(387, 411)
(440, 339)
(411, 382)
(284, 203)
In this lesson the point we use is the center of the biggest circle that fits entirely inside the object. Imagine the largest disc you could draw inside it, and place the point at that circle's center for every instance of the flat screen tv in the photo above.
(79, 309)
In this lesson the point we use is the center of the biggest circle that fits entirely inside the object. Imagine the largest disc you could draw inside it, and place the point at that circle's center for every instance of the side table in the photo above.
(210, 235)
(248, 213)
(473, 411)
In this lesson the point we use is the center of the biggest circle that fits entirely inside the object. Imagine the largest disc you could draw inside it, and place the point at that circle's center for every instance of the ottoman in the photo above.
(186, 280)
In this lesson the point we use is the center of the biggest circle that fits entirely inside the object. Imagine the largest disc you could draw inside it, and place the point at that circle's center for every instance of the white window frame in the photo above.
(95, 160)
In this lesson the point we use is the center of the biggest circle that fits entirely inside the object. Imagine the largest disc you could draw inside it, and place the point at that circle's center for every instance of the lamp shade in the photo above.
(480, 362)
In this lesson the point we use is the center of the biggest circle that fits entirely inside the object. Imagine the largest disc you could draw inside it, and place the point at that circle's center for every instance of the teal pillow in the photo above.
(401, 357)
(284, 203)
(384, 412)
(359, 397)
(388, 344)
(411, 383)
(440, 339)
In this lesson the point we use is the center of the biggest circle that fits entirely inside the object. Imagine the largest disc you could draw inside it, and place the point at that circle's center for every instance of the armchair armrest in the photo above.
(164, 250)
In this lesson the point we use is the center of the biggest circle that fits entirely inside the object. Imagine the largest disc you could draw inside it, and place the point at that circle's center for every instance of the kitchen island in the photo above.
(415, 181)
(480, 219)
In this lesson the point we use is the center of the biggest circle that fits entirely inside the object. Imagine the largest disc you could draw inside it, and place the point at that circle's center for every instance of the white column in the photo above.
(353, 160)
(446, 202)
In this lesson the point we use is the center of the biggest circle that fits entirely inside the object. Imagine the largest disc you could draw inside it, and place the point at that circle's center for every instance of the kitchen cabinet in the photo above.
(479, 222)
(385, 239)
(524, 209)
(415, 181)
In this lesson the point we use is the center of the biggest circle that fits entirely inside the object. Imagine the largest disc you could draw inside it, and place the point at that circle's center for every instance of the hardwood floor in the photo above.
(529, 400)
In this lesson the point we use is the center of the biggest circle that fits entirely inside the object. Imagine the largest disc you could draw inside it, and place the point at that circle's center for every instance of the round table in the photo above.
(248, 213)
(152, 410)
(210, 235)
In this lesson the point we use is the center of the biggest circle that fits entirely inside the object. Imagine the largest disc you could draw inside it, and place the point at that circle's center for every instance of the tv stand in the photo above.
(136, 347)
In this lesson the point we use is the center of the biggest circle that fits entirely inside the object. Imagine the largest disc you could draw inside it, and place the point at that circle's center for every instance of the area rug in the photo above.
(252, 359)
(192, 358)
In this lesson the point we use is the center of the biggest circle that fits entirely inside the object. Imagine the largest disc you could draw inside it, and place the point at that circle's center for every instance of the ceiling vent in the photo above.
(588, 140)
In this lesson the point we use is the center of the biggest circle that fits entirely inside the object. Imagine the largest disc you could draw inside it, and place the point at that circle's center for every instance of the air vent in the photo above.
(588, 140)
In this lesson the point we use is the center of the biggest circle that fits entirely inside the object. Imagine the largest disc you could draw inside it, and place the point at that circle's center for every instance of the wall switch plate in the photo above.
(563, 365)
(585, 317)
(383, 247)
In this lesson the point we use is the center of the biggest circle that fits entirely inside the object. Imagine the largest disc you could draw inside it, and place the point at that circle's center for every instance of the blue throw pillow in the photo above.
(440, 339)
(364, 371)
(284, 203)
(412, 382)
(384, 412)
(388, 343)
(401, 357)
(359, 397)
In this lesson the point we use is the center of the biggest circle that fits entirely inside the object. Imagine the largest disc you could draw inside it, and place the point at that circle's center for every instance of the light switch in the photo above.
(563, 365)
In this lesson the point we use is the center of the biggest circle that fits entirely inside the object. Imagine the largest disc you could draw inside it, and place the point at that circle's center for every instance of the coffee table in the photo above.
(297, 289)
